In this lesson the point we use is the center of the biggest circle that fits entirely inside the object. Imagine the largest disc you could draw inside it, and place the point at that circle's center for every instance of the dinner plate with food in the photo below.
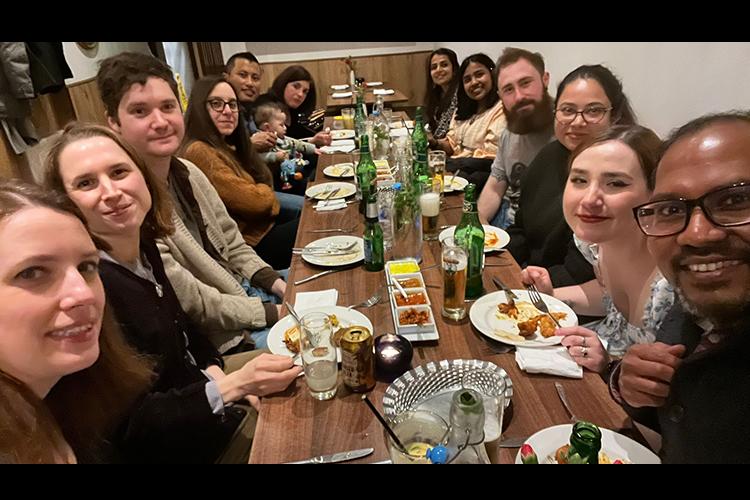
(453, 183)
(283, 338)
(340, 170)
(334, 251)
(550, 446)
(342, 134)
(331, 190)
(520, 324)
(494, 238)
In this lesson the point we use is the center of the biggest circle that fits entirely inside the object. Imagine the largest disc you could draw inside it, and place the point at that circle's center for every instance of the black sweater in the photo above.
(174, 422)
(540, 236)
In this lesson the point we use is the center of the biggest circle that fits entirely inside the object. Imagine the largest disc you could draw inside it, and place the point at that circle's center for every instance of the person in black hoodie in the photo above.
(191, 413)
(588, 101)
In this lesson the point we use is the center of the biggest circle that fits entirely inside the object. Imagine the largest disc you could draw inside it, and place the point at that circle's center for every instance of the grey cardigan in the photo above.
(208, 293)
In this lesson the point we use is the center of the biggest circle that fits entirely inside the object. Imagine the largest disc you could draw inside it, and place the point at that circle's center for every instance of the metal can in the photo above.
(357, 358)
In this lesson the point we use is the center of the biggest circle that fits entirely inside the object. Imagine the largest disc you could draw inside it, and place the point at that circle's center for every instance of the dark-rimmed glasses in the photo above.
(219, 104)
(725, 207)
(592, 114)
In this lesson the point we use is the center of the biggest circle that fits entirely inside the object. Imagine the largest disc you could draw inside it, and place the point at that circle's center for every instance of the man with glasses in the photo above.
(522, 84)
(693, 384)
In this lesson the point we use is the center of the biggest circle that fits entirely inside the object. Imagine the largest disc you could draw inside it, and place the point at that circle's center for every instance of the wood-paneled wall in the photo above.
(405, 72)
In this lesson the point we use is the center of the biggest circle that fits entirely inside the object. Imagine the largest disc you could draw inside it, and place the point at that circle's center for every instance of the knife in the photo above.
(509, 295)
(336, 457)
(515, 442)
(314, 276)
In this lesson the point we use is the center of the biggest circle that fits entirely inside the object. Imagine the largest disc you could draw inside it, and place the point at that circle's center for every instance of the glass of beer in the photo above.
(319, 357)
(454, 260)
(418, 430)
(436, 162)
(347, 115)
(429, 204)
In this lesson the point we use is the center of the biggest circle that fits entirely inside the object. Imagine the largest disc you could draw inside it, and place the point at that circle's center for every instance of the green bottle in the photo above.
(419, 142)
(360, 116)
(366, 172)
(470, 235)
(373, 236)
(585, 443)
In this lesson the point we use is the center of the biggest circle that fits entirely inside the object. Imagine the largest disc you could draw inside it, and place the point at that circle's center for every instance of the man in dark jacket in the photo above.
(693, 384)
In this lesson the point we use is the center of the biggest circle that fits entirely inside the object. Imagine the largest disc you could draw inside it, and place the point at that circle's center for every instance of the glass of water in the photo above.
(319, 357)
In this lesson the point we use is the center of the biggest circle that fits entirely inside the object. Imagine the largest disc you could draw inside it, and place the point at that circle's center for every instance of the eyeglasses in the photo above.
(725, 207)
(567, 114)
(219, 104)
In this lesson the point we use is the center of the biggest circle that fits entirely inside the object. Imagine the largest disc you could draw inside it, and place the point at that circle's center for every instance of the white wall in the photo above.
(267, 52)
(668, 83)
(84, 63)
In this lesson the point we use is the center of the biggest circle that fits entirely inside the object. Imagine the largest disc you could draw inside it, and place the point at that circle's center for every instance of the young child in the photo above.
(271, 117)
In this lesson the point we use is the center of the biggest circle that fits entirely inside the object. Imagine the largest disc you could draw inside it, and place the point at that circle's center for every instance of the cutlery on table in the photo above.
(316, 276)
(564, 399)
(336, 457)
(536, 299)
(514, 442)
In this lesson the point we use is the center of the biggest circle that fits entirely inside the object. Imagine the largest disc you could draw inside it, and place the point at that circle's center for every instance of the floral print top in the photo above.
(615, 328)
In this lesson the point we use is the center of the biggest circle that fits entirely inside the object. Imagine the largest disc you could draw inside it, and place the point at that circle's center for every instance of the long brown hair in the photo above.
(437, 101)
(158, 220)
(84, 407)
(200, 127)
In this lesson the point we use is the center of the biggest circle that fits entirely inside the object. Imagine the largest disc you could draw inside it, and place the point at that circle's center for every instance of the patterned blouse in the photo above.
(478, 136)
(615, 328)
(444, 121)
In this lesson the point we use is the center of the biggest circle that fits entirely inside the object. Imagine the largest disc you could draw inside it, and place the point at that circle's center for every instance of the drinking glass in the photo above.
(454, 261)
(429, 203)
(436, 162)
(347, 115)
(417, 430)
(491, 385)
(319, 355)
(338, 122)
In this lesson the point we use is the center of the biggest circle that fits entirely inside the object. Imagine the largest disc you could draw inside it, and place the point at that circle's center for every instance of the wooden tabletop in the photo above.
(294, 426)
(397, 96)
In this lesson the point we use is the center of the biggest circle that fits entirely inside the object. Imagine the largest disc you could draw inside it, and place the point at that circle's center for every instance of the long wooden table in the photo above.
(294, 426)
(337, 103)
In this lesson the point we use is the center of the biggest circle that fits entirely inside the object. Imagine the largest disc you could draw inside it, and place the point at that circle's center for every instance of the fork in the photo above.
(536, 299)
(332, 230)
(325, 250)
(564, 399)
(371, 301)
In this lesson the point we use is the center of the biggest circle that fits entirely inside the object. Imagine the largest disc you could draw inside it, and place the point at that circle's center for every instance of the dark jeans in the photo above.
(276, 246)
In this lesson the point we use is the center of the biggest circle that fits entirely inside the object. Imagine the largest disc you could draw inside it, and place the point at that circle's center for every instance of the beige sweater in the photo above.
(209, 294)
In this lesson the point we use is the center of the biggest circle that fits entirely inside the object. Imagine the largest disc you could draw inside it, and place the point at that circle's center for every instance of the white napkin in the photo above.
(373, 84)
(306, 300)
(340, 87)
(399, 132)
(340, 146)
(553, 360)
(328, 205)
(341, 95)
(383, 91)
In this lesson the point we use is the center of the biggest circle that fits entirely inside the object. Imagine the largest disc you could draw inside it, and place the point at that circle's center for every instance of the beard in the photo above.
(539, 117)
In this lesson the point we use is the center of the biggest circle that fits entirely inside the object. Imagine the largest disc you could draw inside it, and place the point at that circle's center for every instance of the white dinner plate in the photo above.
(323, 190)
(616, 446)
(342, 134)
(356, 253)
(346, 317)
(457, 183)
(483, 315)
(340, 170)
(499, 240)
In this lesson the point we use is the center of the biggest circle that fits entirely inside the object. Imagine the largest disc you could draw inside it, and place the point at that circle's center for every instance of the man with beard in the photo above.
(243, 72)
(522, 83)
(693, 383)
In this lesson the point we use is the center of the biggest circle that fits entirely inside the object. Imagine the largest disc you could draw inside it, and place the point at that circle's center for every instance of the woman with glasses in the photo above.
(217, 143)
(589, 100)
(608, 176)
(471, 141)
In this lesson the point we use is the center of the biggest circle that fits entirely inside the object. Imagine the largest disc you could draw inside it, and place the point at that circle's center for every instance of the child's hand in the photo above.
(282, 155)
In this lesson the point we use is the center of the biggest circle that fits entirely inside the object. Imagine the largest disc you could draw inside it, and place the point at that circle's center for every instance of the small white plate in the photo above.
(339, 87)
(616, 446)
(340, 170)
(346, 317)
(356, 254)
(457, 183)
(342, 134)
(483, 315)
(321, 191)
(499, 240)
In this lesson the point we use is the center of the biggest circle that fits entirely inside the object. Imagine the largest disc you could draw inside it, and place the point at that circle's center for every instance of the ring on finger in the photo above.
(584, 351)
(583, 341)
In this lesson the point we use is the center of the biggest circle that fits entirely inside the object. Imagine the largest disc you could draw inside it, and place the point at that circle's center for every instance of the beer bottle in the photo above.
(585, 443)
(373, 236)
(419, 136)
(366, 172)
(470, 235)
(360, 117)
